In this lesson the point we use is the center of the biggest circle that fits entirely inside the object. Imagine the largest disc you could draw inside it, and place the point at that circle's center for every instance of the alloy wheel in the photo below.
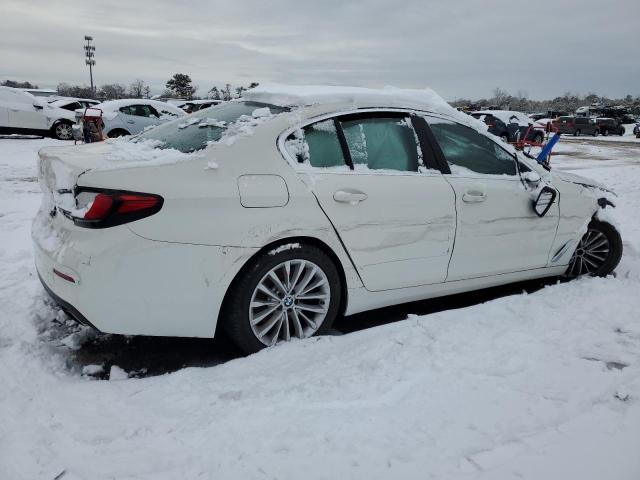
(591, 254)
(64, 131)
(291, 300)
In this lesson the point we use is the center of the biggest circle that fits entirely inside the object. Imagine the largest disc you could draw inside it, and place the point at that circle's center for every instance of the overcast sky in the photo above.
(459, 48)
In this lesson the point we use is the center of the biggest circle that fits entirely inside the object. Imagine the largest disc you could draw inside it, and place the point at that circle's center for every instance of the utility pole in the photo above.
(89, 53)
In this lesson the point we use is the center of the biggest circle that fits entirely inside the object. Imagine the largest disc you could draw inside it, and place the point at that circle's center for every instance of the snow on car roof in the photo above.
(306, 95)
(115, 105)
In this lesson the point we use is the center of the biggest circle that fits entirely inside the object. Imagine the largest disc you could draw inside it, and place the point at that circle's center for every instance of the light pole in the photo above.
(89, 53)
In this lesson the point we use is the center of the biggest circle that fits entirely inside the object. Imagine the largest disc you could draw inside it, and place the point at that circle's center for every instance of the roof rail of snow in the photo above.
(306, 95)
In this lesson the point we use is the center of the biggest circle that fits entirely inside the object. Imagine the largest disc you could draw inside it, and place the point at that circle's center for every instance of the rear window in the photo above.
(194, 132)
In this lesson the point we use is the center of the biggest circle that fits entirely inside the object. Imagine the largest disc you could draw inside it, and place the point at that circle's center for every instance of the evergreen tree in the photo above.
(180, 85)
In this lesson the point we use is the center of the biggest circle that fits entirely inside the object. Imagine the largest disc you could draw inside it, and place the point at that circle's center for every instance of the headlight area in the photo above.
(103, 208)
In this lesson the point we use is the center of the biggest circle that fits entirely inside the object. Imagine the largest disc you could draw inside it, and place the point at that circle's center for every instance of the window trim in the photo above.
(369, 112)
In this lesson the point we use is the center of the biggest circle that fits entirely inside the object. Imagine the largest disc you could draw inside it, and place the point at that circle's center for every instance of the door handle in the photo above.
(353, 197)
(131, 121)
(474, 196)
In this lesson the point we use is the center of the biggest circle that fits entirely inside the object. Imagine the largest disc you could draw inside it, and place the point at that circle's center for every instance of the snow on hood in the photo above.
(579, 179)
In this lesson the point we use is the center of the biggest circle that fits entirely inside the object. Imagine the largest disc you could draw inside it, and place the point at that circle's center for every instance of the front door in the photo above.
(497, 228)
(395, 217)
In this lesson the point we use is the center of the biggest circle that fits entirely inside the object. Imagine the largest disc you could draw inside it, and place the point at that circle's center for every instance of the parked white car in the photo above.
(132, 116)
(22, 113)
(269, 216)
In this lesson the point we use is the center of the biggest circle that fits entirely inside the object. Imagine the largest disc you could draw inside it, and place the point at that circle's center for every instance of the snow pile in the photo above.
(533, 386)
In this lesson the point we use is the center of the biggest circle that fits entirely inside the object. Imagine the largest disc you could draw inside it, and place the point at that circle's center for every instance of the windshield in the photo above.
(193, 132)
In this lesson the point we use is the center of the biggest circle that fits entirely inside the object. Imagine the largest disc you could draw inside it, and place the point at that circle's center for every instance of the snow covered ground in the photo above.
(535, 386)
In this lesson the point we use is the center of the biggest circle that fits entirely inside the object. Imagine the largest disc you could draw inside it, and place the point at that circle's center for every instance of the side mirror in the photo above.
(545, 199)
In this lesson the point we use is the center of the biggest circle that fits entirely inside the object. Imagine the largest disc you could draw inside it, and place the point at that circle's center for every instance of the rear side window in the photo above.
(468, 151)
(382, 143)
(317, 144)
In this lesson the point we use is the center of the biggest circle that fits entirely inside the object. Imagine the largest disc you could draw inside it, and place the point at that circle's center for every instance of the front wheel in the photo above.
(598, 252)
(287, 293)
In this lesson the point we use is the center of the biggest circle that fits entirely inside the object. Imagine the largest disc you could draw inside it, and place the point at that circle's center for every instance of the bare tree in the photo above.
(137, 88)
(112, 91)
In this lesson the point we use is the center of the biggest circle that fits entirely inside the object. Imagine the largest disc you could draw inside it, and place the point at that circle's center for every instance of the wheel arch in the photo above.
(58, 122)
(118, 129)
(302, 239)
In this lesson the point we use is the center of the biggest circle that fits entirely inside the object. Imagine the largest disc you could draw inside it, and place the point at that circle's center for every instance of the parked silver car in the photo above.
(132, 116)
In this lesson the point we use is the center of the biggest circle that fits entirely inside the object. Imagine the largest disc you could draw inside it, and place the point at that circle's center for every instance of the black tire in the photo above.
(236, 319)
(622, 131)
(596, 132)
(505, 138)
(62, 130)
(118, 132)
(612, 258)
(577, 133)
(605, 132)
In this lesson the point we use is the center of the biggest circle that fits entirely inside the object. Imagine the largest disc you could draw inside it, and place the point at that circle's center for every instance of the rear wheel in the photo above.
(596, 132)
(538, 138)
(605, 132)
(577, 133)
(293, 293)
(62, 131)
(598, 252)
(505, 138)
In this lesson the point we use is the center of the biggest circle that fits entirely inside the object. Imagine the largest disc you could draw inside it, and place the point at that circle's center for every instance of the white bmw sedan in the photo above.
(269, 216)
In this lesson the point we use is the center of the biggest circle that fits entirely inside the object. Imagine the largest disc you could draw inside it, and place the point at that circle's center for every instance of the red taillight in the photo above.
(100, 207)
(108, 208)
(134, 203)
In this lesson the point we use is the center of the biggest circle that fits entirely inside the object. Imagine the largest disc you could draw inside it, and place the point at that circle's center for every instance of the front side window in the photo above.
(467, 151)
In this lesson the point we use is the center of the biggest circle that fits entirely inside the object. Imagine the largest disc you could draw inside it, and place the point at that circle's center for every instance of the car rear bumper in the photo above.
(118, 282)
(66, 306)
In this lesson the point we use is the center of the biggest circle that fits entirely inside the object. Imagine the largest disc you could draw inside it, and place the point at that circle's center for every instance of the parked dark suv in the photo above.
(576, 125)
(509, 125)
(608, 126)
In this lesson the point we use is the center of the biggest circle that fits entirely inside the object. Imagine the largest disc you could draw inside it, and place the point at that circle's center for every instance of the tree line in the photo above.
(568, 102)
(180, 85)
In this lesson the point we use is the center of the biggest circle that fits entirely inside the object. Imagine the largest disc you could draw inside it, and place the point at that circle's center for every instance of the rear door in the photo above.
(138, 117)
(497, 228)
(395, 217)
